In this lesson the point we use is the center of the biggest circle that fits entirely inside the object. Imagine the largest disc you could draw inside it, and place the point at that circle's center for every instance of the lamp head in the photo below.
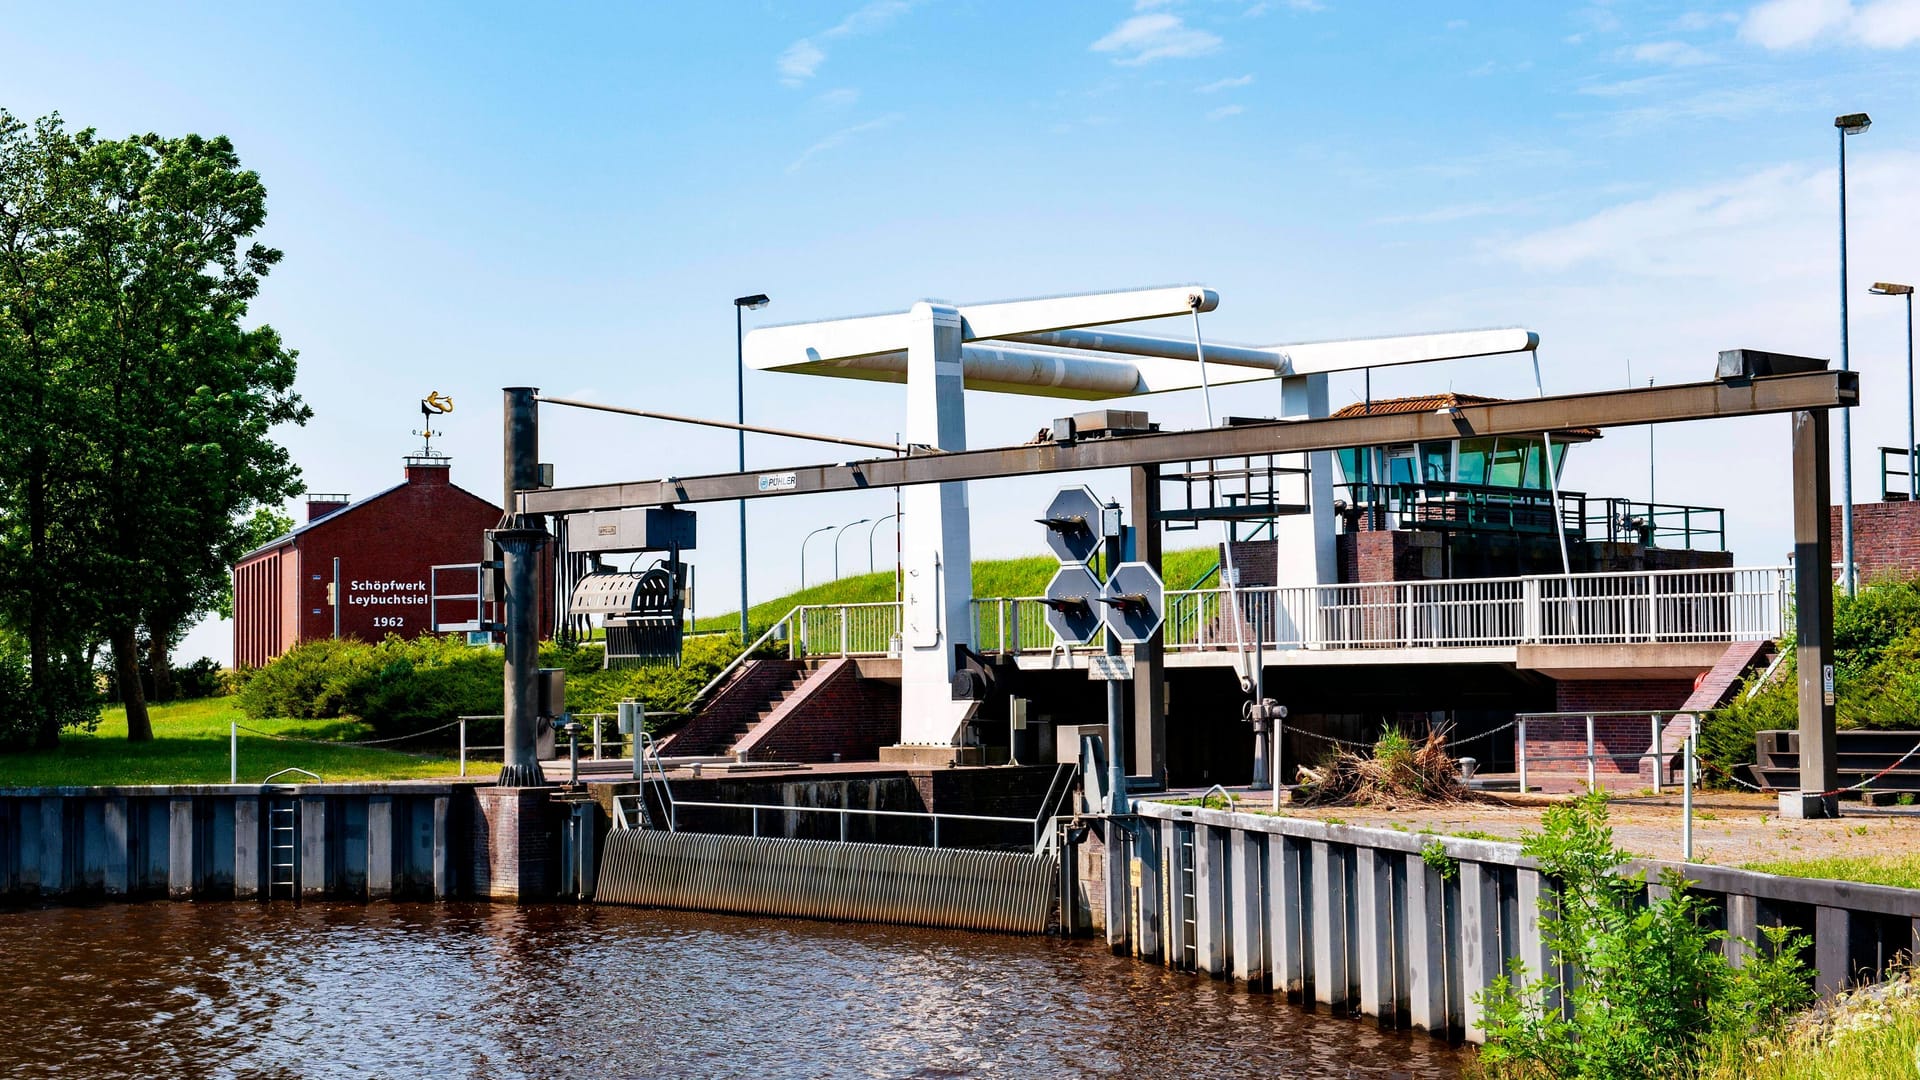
(1853, 123)
(752, 303)
(1888, 288)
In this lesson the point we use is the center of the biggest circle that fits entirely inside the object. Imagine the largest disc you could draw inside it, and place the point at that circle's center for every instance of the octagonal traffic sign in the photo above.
(1132, 603)
(1072, 612)
(1073, 524)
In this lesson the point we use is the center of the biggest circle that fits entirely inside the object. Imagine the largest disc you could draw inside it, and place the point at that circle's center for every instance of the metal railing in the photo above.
(1734, 604)
(819, 630)
(1563, 727)
(1045, 836)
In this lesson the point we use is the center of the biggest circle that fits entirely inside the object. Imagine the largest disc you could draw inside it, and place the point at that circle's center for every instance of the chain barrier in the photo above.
(1861, 786)
(337, 742)
(1358, 745)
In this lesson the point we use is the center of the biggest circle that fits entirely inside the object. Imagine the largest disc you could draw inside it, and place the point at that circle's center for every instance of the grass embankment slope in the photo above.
(997, 577)
(190, 747)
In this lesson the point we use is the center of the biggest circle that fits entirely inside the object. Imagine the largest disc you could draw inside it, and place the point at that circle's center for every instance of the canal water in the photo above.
(460, 990)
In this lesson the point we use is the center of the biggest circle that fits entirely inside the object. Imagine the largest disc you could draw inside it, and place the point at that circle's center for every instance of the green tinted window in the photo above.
(1509, 461)
(1436, 462)
(1473, 460)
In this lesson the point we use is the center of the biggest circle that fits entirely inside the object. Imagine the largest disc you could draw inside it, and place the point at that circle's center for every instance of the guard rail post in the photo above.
(1593, 779)
(1686, 800)
(1520, 755)
(1658, 750)
(596, 735)
(233, 751)
(463, 746)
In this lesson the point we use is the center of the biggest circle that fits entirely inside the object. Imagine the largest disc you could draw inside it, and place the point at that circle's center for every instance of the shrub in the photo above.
(201, 679)
(1653, 992)
(74, 700)
(399, 686)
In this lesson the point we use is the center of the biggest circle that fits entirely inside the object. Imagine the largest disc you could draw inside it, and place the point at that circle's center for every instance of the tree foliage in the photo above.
(139, 405)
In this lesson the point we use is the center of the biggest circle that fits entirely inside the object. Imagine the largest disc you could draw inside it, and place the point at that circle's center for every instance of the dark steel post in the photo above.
(1116, 709)
(1149, 671)
(1813, 619)
(337, 598)
(520, 544)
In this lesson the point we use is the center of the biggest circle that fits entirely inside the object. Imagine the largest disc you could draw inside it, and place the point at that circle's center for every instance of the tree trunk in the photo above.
(160, 659)
(126, 668)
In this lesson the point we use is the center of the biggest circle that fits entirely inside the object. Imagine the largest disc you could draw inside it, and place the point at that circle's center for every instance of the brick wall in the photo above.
(1886, 538)
(516, 848)
(834, 712)
(1612, 735)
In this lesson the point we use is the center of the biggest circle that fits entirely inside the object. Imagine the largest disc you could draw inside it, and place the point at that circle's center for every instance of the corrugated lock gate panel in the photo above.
(1008, 892)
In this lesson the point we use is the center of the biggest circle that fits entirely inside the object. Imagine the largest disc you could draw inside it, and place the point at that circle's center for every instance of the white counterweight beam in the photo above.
(1305, 358)
(815, 346)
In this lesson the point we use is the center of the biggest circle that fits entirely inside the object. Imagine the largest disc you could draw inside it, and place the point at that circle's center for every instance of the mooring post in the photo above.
(520, 544)
(1813, 620)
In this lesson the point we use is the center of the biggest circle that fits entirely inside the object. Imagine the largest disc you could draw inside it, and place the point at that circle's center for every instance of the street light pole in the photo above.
(803, 552)
(740, 306)
(836, 544)
(1849, 124)
(1888, 288)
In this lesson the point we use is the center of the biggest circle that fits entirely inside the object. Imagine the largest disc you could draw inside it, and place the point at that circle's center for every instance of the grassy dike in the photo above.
(991, 578)
(190, 747)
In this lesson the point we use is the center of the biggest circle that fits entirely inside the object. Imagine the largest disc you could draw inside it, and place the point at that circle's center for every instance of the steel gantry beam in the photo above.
(1612, 408)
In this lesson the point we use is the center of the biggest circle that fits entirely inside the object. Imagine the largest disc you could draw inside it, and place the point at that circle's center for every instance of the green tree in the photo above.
(46, 465)
(140, 261)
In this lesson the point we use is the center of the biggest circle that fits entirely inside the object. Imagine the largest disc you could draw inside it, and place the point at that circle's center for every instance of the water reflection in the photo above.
(221, 990)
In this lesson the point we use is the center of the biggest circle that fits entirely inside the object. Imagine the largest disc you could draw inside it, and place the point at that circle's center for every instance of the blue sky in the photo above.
(569, 196)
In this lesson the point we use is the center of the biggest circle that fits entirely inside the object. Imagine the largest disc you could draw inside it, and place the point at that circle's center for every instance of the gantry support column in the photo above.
(937, 611)
(1149, 668)
(1813, 620)
(519, 546)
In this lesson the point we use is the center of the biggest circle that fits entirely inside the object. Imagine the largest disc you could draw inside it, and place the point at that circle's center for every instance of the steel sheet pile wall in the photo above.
(1362, 921)
(221, 842)
(823, 879)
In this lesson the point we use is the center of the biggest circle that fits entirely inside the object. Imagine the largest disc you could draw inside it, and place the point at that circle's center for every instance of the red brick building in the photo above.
(386, 544)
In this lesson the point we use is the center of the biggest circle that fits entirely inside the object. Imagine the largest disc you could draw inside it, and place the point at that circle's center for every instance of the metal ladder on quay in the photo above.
(283, 847)
(1189, 904)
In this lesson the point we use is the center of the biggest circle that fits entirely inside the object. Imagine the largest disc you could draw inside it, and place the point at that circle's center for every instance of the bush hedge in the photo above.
(1876, 669)
(400, 686)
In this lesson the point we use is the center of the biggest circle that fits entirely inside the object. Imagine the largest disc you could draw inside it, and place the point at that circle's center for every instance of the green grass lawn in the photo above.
(190, 747)
(1900, 871)
(997, 577)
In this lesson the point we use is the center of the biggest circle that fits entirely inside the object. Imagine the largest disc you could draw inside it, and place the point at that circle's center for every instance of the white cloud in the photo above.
(799, 62)
(1143, 39)
(841, 138)
(803, 58)
(1224, 84)
(1790, 24)
(1672, 53)
(1225, 111)
(839, 98)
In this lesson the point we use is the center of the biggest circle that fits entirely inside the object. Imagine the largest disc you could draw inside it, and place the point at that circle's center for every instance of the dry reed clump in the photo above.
(1400, 771)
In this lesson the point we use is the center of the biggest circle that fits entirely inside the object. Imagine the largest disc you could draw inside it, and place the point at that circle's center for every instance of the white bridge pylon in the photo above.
(1057, 347)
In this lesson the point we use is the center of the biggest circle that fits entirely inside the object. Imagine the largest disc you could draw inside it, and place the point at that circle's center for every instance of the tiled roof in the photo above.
(1430, 403)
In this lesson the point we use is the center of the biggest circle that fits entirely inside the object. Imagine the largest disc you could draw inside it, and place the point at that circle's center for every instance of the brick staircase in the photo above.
(1716, 689)
(737, 708)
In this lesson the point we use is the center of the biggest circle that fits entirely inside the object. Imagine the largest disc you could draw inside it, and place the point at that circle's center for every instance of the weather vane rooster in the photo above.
(434, 403)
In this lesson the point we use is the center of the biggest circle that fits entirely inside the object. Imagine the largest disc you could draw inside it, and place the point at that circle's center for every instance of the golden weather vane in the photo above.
(434, 403)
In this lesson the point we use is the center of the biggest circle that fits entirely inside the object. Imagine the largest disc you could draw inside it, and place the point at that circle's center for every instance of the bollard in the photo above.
(463, 746)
